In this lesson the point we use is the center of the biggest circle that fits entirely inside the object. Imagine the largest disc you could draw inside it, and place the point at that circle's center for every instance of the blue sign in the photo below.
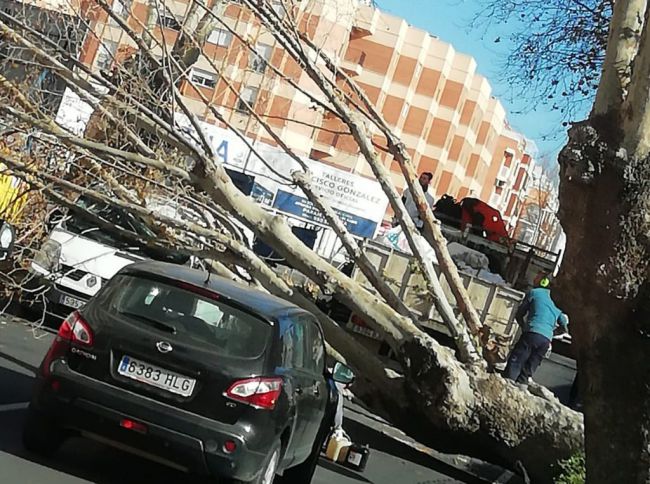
(303, 208)
(261, 195)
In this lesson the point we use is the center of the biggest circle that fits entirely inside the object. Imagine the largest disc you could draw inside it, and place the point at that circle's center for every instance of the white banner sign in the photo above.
(359, 201)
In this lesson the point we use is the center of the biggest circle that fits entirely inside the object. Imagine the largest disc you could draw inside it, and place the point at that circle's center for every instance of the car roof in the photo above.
(255, 301)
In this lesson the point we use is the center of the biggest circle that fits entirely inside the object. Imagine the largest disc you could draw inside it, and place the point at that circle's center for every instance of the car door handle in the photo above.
(298, 390)
(316, 391)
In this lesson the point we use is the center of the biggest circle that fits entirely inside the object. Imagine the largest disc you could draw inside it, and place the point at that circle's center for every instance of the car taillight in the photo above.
(199, 290)
(73, 330)
(129, 424)
(260, 393)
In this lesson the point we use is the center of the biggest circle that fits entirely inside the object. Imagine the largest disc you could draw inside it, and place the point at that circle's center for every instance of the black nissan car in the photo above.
(190, 370)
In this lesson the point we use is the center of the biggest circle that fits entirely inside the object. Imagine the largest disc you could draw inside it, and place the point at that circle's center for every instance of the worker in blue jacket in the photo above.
(538, 317)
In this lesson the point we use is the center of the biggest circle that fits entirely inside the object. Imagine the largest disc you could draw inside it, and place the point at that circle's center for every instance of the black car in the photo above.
(192, 371)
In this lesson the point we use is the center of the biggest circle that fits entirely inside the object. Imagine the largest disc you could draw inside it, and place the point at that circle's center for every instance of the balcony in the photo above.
(320, 151)
(504, 173)
(352, 65)
(351, 69)
(365, 22)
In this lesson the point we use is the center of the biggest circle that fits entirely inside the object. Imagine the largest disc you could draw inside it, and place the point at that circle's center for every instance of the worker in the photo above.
(409, 202)
(537, 331)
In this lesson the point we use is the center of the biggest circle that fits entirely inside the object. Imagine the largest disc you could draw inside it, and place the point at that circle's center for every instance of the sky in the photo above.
(448, 20)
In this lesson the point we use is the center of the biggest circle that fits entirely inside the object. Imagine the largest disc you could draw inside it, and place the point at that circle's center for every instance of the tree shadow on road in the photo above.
(339, 469)
(18, 362)
(16, 386)
(378, 441)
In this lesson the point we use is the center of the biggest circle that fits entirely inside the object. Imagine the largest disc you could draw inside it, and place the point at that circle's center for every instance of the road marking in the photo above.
(12, 407)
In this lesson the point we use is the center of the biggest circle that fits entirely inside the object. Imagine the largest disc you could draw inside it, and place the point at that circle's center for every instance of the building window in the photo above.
(278, 8)
(121, 8)
(168, 20)
(203, 78)
(507, 158)
(220, 37)
(105, 55)
(247, 95)
(260, 58)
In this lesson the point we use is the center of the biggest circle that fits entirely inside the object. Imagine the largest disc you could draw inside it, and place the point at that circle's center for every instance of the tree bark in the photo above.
(605, 211)
(636, 109)
(197, 26)
(622, 45)
(606, 295)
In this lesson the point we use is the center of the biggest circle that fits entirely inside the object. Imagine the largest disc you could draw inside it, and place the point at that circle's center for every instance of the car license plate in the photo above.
(156, 376)
(71, 302)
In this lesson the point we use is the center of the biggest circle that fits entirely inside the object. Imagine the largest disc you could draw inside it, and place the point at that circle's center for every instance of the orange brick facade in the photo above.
(431, 95)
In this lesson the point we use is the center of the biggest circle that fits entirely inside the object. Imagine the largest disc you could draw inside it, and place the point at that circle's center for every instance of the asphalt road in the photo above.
(84, 461)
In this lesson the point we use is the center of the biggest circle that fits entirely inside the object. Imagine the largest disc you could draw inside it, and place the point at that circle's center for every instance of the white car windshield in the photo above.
(83, 226)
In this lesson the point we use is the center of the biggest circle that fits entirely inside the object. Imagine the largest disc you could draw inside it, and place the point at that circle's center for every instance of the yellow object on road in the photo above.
(337, 445)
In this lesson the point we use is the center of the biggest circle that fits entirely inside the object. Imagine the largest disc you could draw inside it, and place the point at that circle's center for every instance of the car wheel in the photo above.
(268, 474)
(303, 473)
(40, 435)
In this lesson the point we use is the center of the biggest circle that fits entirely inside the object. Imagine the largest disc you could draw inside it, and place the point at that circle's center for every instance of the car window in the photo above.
(302, 344)
(82, 226)
(292, 336)
(317, 348)
(188, 315)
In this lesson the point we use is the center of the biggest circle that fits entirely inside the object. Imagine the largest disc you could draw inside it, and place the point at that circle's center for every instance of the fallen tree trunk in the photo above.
(474, 409)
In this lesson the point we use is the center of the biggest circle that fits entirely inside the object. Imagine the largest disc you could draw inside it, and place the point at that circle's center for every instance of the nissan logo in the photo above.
(164, 346)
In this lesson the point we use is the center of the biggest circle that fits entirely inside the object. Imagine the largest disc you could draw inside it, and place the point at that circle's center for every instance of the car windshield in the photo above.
(187, 314)
(83, 226)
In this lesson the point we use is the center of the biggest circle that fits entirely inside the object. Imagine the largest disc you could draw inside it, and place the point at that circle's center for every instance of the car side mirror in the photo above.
(342, 374)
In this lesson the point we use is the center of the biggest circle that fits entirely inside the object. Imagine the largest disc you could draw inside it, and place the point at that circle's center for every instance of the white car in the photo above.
(78, 258)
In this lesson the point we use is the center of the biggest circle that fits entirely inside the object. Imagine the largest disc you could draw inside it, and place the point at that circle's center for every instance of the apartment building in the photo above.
(431, 95)
(511, 169)
(538, 224)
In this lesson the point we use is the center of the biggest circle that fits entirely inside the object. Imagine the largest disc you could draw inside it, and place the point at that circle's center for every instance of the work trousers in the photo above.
(526, 357)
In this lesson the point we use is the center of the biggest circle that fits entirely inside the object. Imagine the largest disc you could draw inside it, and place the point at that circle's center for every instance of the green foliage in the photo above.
(573, 470)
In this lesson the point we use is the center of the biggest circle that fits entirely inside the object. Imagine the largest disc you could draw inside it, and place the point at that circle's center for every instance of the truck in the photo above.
(496, 288)
(496, 303)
